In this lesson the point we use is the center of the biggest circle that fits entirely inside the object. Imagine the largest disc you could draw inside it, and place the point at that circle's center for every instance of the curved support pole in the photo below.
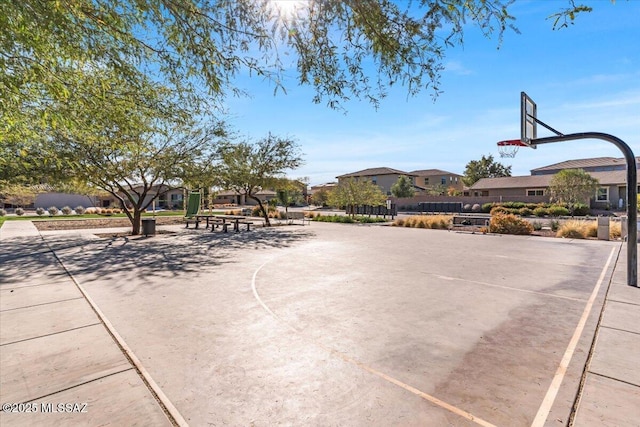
(632, 193)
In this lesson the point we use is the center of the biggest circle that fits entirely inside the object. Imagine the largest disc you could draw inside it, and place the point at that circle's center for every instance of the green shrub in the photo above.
(80, 210)
(537, 225)
(334, 218)
(509, 224)
(581, 209)
(53, 211)
(525, 211)
(540, 211)
(3, 212)
(66, 210)
(557, 210)
(555, 225)
(513, 205)
(40, 211)
(370, 219)
(486, 207)
(19, 211)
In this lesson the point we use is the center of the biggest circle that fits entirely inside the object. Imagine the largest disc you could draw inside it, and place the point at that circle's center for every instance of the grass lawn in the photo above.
(84, 216)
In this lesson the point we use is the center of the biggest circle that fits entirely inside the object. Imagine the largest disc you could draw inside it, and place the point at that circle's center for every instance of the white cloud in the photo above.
(456, 67)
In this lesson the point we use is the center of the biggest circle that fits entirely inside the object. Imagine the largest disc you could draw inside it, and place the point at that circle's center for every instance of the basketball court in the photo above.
(353, 325)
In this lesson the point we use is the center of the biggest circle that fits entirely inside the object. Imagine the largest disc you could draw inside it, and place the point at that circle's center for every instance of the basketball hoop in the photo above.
(509, 148)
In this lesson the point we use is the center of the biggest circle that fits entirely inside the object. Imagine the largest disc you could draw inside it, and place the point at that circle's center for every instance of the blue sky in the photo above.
(582, 78)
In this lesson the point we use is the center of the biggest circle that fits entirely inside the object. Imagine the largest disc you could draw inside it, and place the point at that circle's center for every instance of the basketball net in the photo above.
(509, 148)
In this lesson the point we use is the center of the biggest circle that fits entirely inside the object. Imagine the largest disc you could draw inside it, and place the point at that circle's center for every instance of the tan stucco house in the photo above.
(383, 177)
(436, 178)
(610, 173)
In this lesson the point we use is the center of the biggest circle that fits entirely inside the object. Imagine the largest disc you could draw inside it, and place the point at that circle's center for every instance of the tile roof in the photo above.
(584, 163)
(431, 172)
(528, 181)
(612, 177)
(538, 181)
(375, 172)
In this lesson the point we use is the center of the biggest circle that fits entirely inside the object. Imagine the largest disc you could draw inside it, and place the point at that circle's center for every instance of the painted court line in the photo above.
(552, 392)
(510, 288)
(407, 387)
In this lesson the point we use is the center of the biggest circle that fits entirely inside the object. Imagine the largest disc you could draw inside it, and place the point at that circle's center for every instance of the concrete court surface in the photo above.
(352, 325)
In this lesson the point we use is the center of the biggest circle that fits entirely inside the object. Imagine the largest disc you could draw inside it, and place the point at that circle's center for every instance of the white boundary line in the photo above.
(425, 396)
(552, 392)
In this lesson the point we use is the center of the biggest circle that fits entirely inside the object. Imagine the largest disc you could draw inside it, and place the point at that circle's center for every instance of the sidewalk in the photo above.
(56, 349)
(611, 393)
(60, 364)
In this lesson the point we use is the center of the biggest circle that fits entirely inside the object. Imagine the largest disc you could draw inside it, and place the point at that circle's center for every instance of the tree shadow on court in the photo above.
(24, 261)
(173, 256)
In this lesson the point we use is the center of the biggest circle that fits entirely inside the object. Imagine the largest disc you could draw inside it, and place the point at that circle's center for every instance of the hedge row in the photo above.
(531, 209)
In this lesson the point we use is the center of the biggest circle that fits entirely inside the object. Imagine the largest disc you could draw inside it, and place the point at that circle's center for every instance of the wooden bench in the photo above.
(297, 216)
(470, 220)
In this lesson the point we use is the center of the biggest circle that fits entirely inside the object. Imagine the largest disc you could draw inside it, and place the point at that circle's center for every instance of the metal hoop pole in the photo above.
(632, 193)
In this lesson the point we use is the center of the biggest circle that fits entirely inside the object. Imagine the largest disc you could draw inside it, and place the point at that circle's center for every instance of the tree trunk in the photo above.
(265, 214)
(136, 221)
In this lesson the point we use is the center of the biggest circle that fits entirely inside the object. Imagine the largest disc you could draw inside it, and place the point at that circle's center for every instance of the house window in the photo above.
(443, 181)
(535, 192)
(426, 181)
(176, 197)
(603, 194)
(374, 179)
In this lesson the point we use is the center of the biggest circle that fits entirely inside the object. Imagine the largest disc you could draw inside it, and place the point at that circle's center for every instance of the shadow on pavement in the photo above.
(140, 258)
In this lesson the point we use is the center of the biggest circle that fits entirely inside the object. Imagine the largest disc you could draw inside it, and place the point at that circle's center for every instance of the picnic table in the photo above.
(209, 218)
(225, 220)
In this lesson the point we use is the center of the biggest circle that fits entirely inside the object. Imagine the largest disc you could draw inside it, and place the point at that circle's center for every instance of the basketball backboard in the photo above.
(528, 124)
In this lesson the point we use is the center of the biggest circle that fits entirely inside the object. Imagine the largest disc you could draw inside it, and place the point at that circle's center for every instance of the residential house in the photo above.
(383, 177)
(596, 164)
(610, 173)
(436, 179)
(323, 187)
(235, 198)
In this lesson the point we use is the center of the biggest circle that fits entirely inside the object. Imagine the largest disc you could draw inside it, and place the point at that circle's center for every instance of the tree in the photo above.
(573, 187)
(403, 187)
(210, 41)
(134, 152)
(486, 167)
(353, 192)
(289, 192)
(344, 49)
(248, 167)
(436, 190)
(320, 197)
